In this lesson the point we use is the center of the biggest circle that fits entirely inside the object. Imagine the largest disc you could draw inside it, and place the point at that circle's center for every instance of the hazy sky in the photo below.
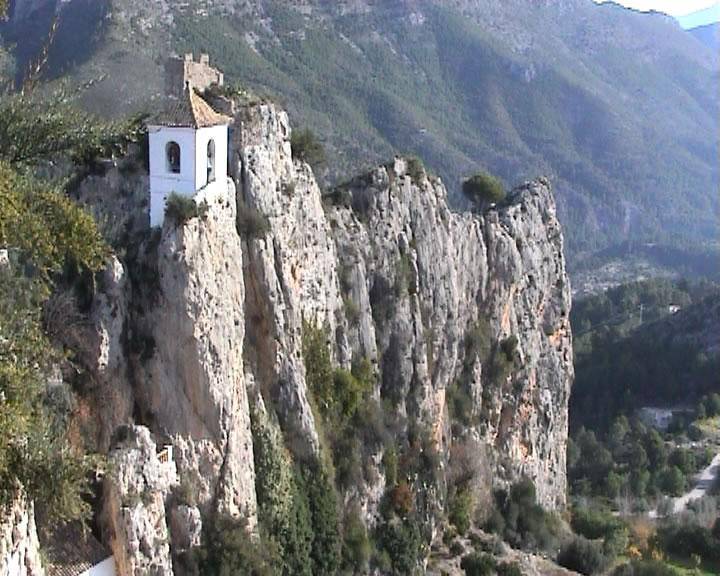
(673, 7)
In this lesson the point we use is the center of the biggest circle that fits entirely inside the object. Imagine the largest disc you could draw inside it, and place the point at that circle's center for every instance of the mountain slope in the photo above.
(616, 107)
(708, 35)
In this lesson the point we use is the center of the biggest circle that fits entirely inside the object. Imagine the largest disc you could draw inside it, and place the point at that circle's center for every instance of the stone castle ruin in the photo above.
(179, 72)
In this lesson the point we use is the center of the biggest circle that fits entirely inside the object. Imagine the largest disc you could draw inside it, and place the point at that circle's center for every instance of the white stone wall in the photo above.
(105, 568)
(162, 181)
(220, 135)
(193, 174)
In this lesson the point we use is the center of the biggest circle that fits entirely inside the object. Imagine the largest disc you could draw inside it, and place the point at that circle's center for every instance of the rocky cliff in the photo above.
(19, 546)
(462, 319)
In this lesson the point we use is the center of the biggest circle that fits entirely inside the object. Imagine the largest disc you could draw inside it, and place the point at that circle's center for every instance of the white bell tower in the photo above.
(188, 152)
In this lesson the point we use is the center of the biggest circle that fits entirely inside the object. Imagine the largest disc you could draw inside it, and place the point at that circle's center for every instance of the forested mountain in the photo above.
(652, 343)
(618, 108)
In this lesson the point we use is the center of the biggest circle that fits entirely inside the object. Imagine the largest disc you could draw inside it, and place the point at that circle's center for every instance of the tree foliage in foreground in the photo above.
(33, 450)
(36, 127)
(44, 237)
(45, 227)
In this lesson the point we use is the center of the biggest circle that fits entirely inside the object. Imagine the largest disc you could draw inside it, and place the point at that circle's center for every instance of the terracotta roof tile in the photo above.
(191, 111)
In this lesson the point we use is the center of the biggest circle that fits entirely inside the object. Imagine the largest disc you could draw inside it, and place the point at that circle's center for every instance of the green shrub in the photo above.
(33, 449)
(307, 148)
(672, 481)
(509, 347)
(460, 403)
(415, 169)
(478, 341)
(596, 524)
(460, 510)
(646, 568)
(686, 540)
(405, 281)
(478, 564)
(356, 547)
(283, 508)
(582, 555)
(318, 366)
(521, 521)
(483, 190)
(250, 222)
(338, 393)
(402, 541)
(509, 569)
(390, 466)
(347, 459)
(228, 548)
(350, 390)
(456, 546)
(323, 505)
(180, 208)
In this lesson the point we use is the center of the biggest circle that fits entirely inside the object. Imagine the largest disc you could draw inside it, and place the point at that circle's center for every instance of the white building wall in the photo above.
(162, 181)
(105, 568)
(202, 137)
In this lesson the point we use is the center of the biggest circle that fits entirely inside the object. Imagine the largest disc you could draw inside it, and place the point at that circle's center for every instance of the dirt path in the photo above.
(703, 482)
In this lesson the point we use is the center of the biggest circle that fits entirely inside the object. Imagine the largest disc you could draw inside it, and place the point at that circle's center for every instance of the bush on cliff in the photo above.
(180, 208)
(229, 548)
(460, 509)
(283, 508)
(484, 190)
(476, 564)
(306, 147)
(415, 169)
(582, 555)
(323, 506)
(250, 222)
(356, 548)
(521, 521)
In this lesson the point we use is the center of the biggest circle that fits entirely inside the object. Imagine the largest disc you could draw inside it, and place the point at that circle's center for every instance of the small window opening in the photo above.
(211, 161)
(172, 155)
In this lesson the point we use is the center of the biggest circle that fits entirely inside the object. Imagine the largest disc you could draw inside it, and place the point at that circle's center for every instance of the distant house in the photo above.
(72, 552)
(658, 418)
(661, 418)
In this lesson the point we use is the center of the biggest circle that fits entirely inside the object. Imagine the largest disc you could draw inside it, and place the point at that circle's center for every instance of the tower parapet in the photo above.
(181, 72)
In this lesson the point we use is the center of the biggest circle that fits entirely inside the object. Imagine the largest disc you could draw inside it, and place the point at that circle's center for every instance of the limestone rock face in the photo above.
(438, 302)
(194, 389)
(136, 489)
(186, 528)
(291, 270)
(423, 279)
(108, 362)
(19, 547)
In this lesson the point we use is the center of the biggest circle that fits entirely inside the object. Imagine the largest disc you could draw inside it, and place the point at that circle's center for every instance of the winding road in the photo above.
(703, 482)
